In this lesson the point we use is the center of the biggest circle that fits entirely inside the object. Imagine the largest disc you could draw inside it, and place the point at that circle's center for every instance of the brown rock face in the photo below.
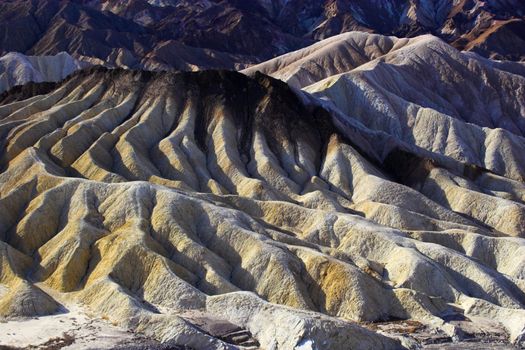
(188, 35)
(137, 35)
(502, 41)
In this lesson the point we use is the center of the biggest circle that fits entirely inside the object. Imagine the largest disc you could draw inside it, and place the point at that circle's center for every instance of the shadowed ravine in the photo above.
(153, 197)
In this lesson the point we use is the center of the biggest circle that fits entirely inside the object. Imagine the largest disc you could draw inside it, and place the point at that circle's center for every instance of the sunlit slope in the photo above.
(152, 197)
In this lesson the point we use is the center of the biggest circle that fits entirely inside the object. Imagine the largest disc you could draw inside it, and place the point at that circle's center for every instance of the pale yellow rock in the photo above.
(151, 197)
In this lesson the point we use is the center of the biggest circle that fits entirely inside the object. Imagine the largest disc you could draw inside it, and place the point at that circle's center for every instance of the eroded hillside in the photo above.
(160, 199)
(230, 34)
(457, 109)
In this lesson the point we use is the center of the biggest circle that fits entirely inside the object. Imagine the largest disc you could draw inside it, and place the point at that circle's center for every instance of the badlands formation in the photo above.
(220, 210)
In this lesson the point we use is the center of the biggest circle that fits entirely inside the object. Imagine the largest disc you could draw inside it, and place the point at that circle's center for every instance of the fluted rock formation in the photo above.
(155, 197)
(448, 106)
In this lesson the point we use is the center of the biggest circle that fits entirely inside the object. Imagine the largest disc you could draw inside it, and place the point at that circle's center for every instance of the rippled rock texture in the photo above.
(160, 200)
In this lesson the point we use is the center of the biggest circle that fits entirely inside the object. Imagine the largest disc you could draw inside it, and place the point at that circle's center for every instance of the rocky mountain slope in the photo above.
(18, 69)
(365, 191)
(230, 34)
(420, 90)
(46, 27)
(486, 27)
(170, 203)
